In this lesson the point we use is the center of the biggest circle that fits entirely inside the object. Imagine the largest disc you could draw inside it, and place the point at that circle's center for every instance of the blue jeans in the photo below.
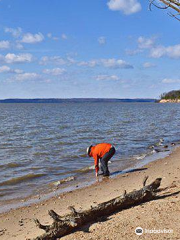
(104, 161)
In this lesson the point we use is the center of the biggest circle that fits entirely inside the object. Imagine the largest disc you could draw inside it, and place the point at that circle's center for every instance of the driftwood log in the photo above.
(63, 225)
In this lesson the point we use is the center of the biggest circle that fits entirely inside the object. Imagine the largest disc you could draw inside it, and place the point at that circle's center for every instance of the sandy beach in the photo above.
(18, 224)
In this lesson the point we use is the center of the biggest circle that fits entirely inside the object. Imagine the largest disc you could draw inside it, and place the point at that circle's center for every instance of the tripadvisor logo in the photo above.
(139, 231)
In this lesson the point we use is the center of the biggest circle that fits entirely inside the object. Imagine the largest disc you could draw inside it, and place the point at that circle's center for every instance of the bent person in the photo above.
(102, 152)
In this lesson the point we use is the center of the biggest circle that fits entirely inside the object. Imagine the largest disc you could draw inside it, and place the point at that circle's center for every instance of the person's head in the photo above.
(89, 150)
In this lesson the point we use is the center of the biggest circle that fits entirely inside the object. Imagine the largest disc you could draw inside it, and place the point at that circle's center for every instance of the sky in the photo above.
(87, 48)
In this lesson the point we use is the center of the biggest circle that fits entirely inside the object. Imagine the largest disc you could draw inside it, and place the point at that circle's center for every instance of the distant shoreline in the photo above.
(169, 101)
(74, 100)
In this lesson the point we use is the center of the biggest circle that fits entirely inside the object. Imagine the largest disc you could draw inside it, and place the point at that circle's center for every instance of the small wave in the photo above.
(2, 194)
(41, 154)
(24, 178)
(86, 169)
(64, 180)
(140, 157)
(11, 165)
(83, 155)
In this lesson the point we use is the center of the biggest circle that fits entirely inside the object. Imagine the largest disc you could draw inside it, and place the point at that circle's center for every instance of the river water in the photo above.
(43, 145)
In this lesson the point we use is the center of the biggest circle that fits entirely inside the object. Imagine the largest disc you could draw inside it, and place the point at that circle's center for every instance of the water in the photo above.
(42, 144)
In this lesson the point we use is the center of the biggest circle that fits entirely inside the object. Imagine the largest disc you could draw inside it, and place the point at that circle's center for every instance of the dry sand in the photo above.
(161, 214)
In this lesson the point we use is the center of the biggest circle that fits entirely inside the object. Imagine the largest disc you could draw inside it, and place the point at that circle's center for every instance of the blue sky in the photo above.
(92, 48)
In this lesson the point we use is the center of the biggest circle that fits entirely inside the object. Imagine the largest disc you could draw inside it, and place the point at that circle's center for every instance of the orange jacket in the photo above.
(98, 151)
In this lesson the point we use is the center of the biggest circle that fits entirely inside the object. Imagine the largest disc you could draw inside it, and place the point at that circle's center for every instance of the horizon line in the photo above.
(38, 98)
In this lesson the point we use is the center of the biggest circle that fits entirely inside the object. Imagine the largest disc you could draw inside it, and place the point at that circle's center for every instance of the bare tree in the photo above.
(173, 5)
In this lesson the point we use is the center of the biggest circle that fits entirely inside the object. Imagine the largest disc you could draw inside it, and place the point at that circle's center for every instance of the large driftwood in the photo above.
(63, 225)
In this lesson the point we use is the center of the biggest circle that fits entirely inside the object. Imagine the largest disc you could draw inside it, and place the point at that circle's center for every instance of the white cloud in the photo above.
(169, 80)
(27, 76)
(108, 63)
(13, 58)
(32, 38)
(170, 51)
(4, 44)
(156, 51)
(44, 60)
(102, 40)
(64, 36)
(146, 43)
(19, 46)
(7, 69)
(57, 60)
(71, 60)
(149, 65)
(49, 35)
(115, 63)
(133, 52)
(54, 71)
(55, 38)
(16, 32)
(126, 6)
(91, 63)
(143, 44)
(107, 77)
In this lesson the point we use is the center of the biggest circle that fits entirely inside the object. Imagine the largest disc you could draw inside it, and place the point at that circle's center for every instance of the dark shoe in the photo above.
(106, 175)
(100, 174)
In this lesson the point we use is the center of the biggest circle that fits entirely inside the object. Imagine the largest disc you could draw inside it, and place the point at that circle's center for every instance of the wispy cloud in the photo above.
(49, 35)
(27, 76)
(19, 46)
(170, 80)
(170, 51)
(149, 65)
(7, 69)
(101, 40)
(126, 6)
(4, 45)
(91, 63)
(133, 52)
(155, 51)
(16, 58)
(57, 60)
(107, 77)
(64, 36)
(54, 71)
(16, 32)
(32, 38)
(146, 43)
(115, 63)
(107, 63)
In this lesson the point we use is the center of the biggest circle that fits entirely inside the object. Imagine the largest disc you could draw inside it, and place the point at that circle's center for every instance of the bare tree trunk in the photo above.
(64, 225)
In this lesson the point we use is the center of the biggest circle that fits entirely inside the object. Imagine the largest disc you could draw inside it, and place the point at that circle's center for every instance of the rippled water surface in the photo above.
(44, 143)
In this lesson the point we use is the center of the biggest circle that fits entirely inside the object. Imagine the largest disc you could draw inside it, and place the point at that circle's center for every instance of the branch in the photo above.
(71, 222)
(171, 4)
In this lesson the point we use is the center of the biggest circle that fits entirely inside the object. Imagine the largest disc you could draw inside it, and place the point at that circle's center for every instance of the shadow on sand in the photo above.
(128, 171)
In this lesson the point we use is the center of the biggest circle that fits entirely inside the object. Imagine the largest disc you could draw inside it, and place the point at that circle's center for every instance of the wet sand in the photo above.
(161, 214)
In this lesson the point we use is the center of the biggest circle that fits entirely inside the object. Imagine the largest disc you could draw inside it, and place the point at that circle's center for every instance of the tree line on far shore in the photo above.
(175, 94)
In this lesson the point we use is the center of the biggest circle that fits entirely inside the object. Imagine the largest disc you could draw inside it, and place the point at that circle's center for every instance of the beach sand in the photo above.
(161, 214)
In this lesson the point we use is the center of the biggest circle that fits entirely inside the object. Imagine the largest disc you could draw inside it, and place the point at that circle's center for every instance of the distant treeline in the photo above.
(171, 95)
(73, 100)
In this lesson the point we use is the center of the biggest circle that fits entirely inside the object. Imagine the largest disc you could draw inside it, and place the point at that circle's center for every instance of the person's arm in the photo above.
(96, 163)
